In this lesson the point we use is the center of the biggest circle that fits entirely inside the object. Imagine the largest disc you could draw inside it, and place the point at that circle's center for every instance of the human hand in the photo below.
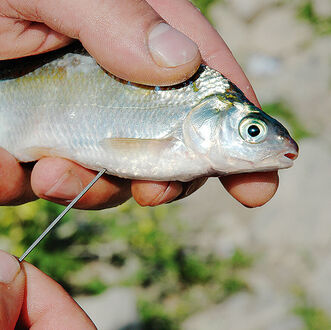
(31, 299)
(129, 51)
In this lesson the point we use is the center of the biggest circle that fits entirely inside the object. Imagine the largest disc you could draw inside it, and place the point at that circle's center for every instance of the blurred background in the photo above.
(207, 262)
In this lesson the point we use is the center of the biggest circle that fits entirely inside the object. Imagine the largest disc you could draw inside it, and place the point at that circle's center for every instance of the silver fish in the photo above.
(64, 104)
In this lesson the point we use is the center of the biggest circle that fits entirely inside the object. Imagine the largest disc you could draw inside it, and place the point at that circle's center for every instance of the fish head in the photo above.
(251, 140)
(238, 137)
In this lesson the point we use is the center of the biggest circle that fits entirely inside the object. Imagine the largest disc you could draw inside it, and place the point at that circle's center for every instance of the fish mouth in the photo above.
(285, 160)
(292, 149)
(291, 153)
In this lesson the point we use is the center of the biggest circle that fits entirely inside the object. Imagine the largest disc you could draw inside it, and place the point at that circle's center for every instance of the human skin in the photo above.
(141, 52)
(29, 299)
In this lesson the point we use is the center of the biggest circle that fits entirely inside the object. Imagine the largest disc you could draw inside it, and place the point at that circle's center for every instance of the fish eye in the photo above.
(253, 130)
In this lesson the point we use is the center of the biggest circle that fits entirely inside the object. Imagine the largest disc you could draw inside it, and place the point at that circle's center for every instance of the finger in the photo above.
(128, 38)
(190, 187)
(19, 37)
(215, 53)
(213, 49)
(60, 181)
(46, 303)
(14, 181)
(252, 190)
(152, 193)
(12, 282)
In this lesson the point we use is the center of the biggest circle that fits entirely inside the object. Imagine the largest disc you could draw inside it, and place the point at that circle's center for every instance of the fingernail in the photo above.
(66, 188)
(196, 184)
(173, 190)
(169, 47)
(191, 189)
(9, 267)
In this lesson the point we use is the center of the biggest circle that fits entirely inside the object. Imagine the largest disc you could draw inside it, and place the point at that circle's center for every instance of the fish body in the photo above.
(68, 106)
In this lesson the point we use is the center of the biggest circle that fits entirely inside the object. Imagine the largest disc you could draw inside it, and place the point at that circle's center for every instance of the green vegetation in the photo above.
(313, 318)
(171, 276)
(94, 287)
(281, 111)
(306, 12)
(204, 5)
(154, 317)
(55, 255)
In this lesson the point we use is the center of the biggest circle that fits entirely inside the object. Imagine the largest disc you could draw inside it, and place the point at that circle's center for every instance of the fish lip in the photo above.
(289, 154)
(285, 161)
(287, 157)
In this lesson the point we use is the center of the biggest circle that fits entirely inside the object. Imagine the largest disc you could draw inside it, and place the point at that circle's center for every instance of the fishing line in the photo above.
(61, 215)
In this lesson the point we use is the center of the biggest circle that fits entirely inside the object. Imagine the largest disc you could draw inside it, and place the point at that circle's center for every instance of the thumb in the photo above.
(128, 38)
(12, 282)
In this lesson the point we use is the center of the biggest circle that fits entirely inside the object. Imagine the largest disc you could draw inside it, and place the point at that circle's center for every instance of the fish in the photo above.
(63, 104)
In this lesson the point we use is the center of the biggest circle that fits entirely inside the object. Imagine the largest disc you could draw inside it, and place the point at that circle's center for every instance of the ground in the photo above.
(284, 48)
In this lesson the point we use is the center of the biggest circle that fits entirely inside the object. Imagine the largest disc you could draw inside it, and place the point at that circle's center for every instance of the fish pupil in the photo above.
(253, 131)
